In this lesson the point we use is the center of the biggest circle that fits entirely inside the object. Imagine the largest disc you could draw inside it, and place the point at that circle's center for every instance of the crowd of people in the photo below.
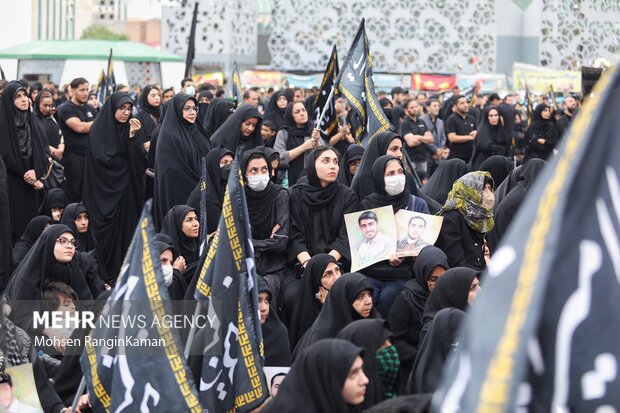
(75, 174)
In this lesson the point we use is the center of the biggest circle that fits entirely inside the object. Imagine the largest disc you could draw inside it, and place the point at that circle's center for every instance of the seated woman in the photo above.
(458, 287)
(349, 299)
(440, 183)
(405, 317)
(319, 277)
(54, 203)
(388, 180)
(467, 217)
(275, 335)
(75, 217)
(33, 231)
(441, 340)
(240, 132)
(350, 164)
(381, 360)
(386, 143)
(269, 218)
(52, 258)
(317, 209)
(328, 377)
(181, 224)
(172, 267)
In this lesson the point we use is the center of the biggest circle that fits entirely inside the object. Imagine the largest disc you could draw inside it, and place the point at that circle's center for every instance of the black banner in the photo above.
(329, 123)
(191, 43)
(543, 335)
(356, 85)
(232, 371)
(134, 362)
(235, 88)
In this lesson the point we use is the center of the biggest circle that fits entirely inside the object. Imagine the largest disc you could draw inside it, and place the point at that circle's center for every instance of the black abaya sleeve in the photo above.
(341, 243)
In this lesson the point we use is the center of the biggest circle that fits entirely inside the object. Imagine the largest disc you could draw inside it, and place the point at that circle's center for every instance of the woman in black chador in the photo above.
(113, 190)
(181, 145)
(25, 152)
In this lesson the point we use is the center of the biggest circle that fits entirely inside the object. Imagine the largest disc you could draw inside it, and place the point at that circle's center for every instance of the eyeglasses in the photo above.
(67, 243)
(190, 109)
(125, 109)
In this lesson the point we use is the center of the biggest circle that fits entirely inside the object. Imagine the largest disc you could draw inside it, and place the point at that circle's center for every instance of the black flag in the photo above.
(110, 81)
(2, 74)
(356, 85)
(102, 88)
(329, 124)
(235, 89)
(529, 106)
(232, 371)
(544, 332)
(132, 359)
(191, 43)
(203, 206)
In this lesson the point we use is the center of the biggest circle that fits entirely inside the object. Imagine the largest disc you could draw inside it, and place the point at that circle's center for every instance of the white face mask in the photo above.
(394, 185)
(258, 183)
(190, 90)
(167, 270)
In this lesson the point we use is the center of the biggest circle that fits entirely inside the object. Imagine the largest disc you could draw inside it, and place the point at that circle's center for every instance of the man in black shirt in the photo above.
(398, 97)
(416, 136)
(570, 107)
(461, 130)
(75, 118)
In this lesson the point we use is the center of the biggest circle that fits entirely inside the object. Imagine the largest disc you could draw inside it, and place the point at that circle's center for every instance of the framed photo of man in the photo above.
(415, 231)
(372, 236)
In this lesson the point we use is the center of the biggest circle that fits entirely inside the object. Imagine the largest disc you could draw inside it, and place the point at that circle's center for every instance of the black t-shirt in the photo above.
(416, 127)
(74, 142)
(461, 126)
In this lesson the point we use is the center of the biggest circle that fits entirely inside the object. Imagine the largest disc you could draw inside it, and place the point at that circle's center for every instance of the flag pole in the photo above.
(80, 390)
(192, 332)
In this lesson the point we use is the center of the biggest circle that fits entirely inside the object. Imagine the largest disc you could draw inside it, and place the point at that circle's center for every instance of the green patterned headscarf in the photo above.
(466, 197)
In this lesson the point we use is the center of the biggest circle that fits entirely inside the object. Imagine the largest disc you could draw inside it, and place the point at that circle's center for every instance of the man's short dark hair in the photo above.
(277, 375)
(5, 377)
(184, 81)
(77, 82)
(167, 90)
(52, 292)
(408, 101)
(417, 217)
(270, 124)
(246, 94)
(431, 100)
(457, 98)
(493, 96)
(397, 90)
(119, 87)
(367, 215)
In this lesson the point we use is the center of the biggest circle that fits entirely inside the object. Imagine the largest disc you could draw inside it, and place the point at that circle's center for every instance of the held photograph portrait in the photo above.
(415, 231)
(372, 236)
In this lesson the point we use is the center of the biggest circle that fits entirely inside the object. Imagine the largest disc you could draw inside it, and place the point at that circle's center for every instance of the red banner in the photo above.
(432, 82)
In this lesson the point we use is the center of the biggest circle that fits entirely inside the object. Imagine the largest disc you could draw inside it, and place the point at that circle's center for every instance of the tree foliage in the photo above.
(98, 32)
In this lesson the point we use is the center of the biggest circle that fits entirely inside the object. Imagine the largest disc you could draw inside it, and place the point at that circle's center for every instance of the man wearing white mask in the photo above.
(188, 87)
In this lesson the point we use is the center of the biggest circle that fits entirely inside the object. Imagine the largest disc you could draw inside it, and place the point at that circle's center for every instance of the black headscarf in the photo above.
(229, 134)
(275, 336)
(113, 189)
(148, 112)
(316, 208)
(451, 290)
(218, 112)
(307, 308)
(378, 146)
(337, 311)
(52, 130)
(499, 167)
(369, 335)
(440, 183)
(353, 153)
(440, 341)
(260, 204)
(296, 137)
(22, 140)
(171, 226)
(379, 198)
(271, 155)
(86, 241)
(540, 127)
(54, 198)
(506, 210)
(314, 383)
(273, 112)
(180, 149)
(38, 268)
(29, 237)
(490, 139)
(416, 290)
(203, 107)
(216, 185)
